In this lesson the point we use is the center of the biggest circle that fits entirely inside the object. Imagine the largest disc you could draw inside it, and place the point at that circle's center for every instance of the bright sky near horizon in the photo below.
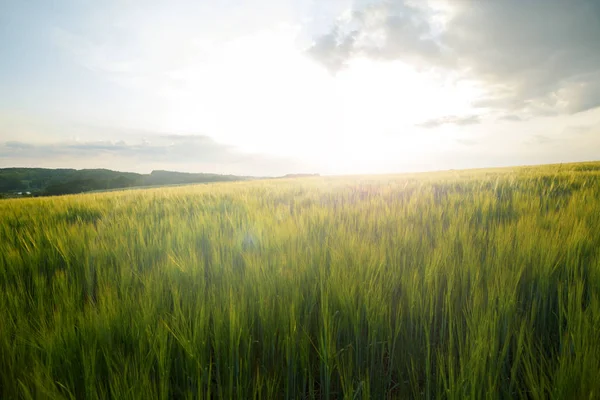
(269, 87)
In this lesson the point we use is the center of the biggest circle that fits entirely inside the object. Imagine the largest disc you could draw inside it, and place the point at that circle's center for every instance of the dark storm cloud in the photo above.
(451, 120)
(538, 57)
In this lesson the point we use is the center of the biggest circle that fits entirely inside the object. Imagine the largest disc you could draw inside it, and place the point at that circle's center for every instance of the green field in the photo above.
(458, 285)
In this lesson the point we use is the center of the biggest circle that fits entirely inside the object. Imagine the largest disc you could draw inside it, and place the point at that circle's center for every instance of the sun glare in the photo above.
(388, 101)
(261, 94)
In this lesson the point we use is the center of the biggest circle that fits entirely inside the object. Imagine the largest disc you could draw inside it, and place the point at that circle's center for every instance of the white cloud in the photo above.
(355, 99)
(193, 153)
(536, 57)
(451, 119)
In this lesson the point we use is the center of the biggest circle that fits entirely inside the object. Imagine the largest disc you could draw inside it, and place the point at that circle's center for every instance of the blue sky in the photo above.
(272, 87)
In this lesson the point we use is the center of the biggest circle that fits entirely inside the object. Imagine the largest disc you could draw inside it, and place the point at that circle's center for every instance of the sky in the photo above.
(270, 87)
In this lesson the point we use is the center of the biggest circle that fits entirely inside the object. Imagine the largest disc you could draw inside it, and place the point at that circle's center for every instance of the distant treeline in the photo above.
(52, 182)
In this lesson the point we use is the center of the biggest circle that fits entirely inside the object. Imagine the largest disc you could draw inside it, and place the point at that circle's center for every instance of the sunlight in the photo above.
(299, 199)
(388, 100)
(282, 103)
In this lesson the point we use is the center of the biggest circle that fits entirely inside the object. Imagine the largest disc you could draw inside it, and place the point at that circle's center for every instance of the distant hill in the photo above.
(52, 182)
(300, 176)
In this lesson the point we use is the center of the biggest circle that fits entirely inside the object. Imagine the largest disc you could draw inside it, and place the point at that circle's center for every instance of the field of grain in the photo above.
(453, 285)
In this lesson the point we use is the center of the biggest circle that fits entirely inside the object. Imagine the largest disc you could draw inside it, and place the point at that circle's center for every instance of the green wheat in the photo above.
(453, 285)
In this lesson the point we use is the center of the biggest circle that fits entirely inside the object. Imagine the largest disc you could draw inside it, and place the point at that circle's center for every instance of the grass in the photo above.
(455, 285)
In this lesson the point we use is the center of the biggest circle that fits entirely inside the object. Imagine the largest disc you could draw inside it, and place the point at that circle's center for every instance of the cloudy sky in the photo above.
(269, 87)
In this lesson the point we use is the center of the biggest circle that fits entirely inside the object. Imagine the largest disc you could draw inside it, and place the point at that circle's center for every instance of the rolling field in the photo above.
(451, 285)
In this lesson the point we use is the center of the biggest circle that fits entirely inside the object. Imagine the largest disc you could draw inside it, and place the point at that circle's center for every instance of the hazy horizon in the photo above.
(267, 88)
(316, 173)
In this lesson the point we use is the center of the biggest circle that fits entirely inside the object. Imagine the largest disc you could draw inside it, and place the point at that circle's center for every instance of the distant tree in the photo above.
(52, 182)
(10, 183)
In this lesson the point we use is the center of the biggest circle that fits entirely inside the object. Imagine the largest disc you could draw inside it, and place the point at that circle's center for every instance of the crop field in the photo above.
(451, 285)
